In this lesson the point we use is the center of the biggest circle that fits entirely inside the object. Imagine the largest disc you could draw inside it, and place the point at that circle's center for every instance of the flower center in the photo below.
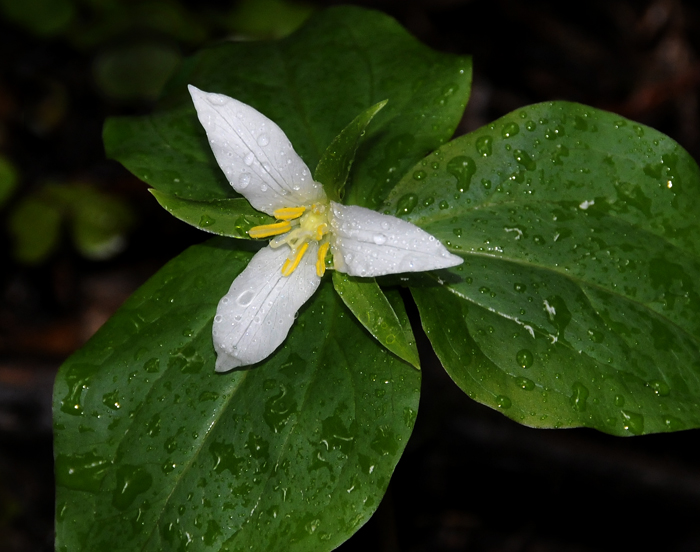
(297, 227)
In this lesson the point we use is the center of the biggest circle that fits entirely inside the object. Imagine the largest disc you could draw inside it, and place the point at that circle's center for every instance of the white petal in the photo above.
(367, 243)
(254, 317)
(255, 154)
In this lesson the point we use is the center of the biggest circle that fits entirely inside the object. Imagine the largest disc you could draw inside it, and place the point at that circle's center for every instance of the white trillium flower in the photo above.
(256, 314)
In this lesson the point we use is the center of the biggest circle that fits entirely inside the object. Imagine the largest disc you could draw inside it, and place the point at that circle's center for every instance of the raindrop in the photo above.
(462, 168)
(503, 402)
(483, 145)
(579, 396)
(379, 239)
(206, 220)
(661, 388)
(524, 358)
(419, 175)
(524, 383)
(406, 204)
(263, 140)
(511, 129)
(245, 298)
(633, 422)
(524, 159)
(248, 159)
(243, 180)
(152, 365)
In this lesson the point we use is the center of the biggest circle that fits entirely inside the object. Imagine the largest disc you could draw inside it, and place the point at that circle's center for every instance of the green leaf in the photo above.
(99, 222)
(154, 450)
(578, 303)
(342, 61)
(35, 229)
(333, 169)
(386, 320)
(226, 217)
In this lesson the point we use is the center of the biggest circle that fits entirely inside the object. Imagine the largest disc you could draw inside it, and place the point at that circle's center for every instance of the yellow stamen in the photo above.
(289, 213)
(290, 266)
(267, 230)
(321, 229)
(321, 262)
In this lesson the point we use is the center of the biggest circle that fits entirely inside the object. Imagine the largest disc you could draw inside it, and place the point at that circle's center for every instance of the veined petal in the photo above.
(255, 154)
(367, 243)
(255, 316)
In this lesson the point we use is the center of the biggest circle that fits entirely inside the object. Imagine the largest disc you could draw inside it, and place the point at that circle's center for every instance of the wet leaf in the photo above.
(343, 61)
(226, 217)
(385, 319)
(155, 450)
(578, 303)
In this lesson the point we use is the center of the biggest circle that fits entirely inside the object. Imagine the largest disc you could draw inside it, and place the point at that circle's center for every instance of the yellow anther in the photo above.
(321, 229)
(321, 262)
(267, 230)
(290, 266)
(289, 213)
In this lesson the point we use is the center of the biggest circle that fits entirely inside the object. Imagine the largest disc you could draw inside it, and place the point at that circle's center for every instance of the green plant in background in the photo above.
(98, 222)
(576, 303)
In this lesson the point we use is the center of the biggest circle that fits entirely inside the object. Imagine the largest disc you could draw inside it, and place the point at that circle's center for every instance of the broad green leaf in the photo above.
(578, 303)
(334, 167)
(312, 84)
(386, 321)
(227, 217)
(156, 452)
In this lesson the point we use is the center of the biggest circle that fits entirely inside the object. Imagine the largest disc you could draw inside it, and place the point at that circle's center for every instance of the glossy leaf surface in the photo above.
(231, 217)
(155, 450)
(577, 304)
(385, 319)
(312, 84)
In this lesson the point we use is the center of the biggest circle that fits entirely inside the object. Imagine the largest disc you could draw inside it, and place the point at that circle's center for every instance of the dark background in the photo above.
(470, 479)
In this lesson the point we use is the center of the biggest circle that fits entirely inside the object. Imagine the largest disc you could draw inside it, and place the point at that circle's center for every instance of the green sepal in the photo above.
(333, 169)
(382, 314)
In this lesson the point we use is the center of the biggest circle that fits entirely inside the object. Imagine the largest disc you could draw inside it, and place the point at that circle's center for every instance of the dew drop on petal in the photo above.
(379, 239)
(263, 188)
(263, 140)
(248, 160)
(218, 318)
(386, 225)
(244, 180)
(245, 298)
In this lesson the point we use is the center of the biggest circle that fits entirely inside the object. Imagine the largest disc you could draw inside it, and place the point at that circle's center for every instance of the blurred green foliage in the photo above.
(133, 47)
(98, 223)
